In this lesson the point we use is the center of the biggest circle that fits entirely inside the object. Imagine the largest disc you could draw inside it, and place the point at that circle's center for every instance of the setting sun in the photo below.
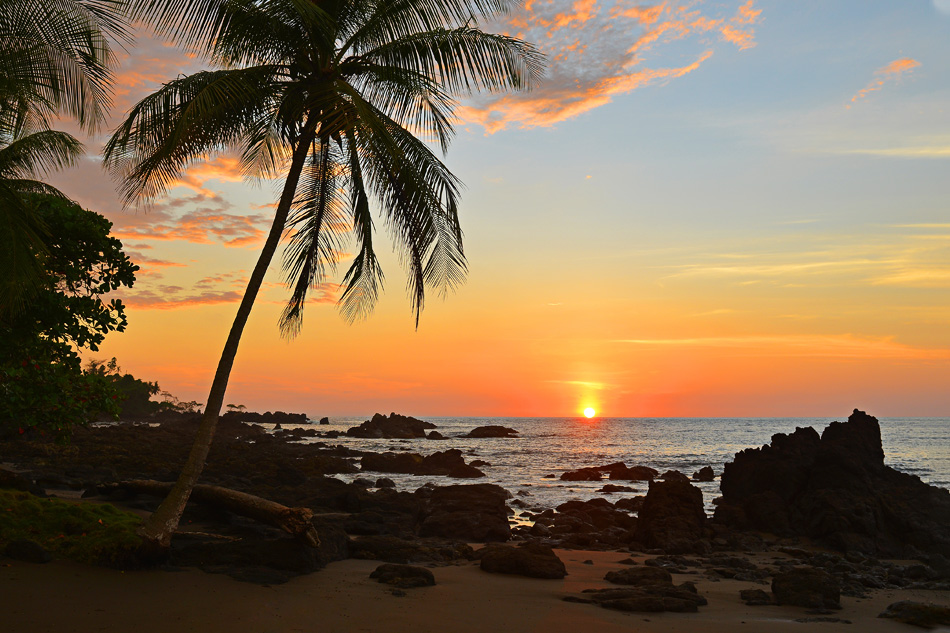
(589, 412)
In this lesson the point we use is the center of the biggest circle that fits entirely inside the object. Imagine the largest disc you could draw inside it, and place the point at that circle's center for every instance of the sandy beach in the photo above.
(63, 597)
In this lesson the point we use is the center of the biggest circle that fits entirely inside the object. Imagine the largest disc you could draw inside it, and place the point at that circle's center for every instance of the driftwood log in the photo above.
(295, 521)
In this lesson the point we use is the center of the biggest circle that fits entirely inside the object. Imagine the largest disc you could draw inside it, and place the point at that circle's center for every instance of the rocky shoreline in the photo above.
(778, 503)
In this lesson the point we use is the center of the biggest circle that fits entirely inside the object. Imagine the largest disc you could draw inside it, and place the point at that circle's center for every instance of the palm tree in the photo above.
(55, 58)
(332, 94)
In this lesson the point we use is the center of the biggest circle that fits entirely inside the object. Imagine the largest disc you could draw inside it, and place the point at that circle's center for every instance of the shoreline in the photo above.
(342, 598)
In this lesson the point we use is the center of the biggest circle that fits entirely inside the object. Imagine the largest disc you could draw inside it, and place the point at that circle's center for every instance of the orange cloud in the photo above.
(202, 226)
(222, 168)
(624, 48)
(892, 72)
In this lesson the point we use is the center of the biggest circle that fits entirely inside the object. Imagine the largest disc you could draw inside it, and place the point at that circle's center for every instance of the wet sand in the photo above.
(64, 597)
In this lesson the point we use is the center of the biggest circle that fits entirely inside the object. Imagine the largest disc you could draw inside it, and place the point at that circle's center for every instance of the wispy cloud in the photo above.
(844, 346)
(891, 72)
(598, 50)
(202, 226)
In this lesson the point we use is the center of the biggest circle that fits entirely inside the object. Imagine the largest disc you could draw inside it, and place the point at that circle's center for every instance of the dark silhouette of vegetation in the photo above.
(42, 383)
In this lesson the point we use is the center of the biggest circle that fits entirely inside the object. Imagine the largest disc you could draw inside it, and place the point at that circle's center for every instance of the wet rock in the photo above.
(631, 504)
(835, 488)
(653, 591)
(674, 475)
(616, 471)
(28, 551)
(920, 614)
(473, 513)
(492, 431)
(706, 473)
(807, 587)
(435, 435)
(531, 559)
(403, 576)
(324, 421)
(394, 426)
(449, 463)
(611, 488)
(672, 518)
(755, 597)
(393, 549)
(385, 482)
(639, 576)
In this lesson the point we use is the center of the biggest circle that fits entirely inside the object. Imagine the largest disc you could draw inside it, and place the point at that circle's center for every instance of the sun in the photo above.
(589, 412)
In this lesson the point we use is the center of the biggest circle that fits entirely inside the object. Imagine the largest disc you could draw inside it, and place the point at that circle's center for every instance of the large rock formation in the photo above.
(394, 426)
(672, 518)
(836, 489)
(473, 513)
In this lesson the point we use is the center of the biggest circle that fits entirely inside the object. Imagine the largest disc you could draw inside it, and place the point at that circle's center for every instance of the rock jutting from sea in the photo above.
(835, 488)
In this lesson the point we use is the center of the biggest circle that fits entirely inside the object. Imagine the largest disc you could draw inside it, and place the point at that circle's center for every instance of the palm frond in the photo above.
(364, 278)
(316, 225)
(39, 153)
(184, 121)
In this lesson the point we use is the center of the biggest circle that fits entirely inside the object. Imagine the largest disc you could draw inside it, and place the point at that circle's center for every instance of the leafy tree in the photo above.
(135, 396)
(42, 383)
(330, 94)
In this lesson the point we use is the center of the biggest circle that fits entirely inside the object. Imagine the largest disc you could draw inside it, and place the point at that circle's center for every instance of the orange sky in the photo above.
(709, 209)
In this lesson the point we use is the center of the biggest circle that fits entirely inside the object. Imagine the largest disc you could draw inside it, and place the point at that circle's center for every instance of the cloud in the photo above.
(598, 50)
(943, 6)
(891, 72)
(844, 346)
(172, 297)
(202, 226)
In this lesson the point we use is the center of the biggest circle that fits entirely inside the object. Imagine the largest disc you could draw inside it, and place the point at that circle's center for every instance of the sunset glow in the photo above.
(708, 209)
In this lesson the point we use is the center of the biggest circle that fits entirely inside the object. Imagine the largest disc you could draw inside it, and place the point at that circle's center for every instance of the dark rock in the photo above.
(492, 431)
(397, 550)
(674, 475)
(474, 513)
(635, 473)
(609, 488)
(582, 474)
(324, 420)
(639, 576)
(480, 463)
(434, 435)
(706, 473)
(449, 463)
(403, 576)
(261, 560)
(385, 482)
(650, 598)
(27, 551)
(835, 488)
(276, 417)
(755, 597)
(807, 587)
(616, 471)
(920, 614)
(531, 559)
(394, 426)
(363, 482)
(630, 504)
(672, 518)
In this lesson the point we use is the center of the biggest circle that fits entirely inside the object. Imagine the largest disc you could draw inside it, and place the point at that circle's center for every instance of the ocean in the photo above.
(551, 446)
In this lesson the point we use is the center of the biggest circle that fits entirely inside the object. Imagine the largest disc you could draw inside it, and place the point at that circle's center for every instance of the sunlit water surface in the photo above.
(550, 446)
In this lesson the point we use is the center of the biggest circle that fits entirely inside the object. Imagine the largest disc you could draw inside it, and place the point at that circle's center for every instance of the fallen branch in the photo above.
(295, 521)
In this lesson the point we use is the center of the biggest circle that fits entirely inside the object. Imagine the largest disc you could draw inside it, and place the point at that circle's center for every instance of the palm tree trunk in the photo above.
(160, 526)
